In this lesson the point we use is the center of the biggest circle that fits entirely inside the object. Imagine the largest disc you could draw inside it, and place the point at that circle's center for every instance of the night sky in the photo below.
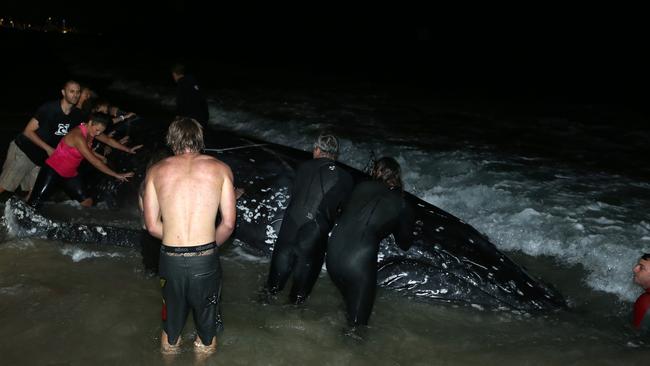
(541, 52)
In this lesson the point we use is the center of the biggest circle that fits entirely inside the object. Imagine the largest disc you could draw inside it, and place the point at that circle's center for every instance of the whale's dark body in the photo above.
(449, 261)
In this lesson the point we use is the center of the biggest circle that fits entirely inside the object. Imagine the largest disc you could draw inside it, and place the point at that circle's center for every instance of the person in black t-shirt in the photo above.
(190, 101)
(28, 151)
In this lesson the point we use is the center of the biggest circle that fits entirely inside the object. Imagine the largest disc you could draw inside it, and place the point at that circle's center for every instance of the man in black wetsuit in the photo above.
(190, 101)
(319, 190)
(375, 209)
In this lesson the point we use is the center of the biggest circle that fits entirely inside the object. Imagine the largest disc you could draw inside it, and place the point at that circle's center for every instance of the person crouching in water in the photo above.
(62, 165)
(641, 318)
(375, 209)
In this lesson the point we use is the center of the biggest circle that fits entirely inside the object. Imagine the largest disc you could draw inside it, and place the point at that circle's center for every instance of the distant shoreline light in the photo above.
(49, 26)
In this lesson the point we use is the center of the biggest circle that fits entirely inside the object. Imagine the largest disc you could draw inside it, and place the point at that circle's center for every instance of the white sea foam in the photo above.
(79, 254)
(242, 254)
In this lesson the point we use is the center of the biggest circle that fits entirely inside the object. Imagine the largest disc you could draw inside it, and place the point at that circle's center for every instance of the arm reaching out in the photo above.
(116, 144)
(100, 156)
(76, 139)
(227, 209)
(151, 207)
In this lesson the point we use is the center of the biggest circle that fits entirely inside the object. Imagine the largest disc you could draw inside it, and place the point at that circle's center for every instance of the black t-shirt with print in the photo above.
(53, 124)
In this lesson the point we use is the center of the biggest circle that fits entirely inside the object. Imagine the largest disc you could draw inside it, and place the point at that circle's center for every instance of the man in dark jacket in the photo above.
(190, 101)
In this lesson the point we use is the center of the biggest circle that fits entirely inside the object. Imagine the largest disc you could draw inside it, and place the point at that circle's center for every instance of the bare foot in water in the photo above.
(200, 348)
(169, 349)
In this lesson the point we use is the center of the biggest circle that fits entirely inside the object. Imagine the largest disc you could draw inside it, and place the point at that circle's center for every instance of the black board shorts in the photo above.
(190, 278)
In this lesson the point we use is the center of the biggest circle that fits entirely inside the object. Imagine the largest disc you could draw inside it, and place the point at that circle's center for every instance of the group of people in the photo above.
(88, 117)
(184, 194)
(328, 219)
(59, 136)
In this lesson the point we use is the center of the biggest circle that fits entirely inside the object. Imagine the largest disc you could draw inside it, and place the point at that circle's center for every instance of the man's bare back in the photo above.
(182, 197)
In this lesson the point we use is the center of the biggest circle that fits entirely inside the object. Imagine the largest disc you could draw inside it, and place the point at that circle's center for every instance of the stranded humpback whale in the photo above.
(449, 261)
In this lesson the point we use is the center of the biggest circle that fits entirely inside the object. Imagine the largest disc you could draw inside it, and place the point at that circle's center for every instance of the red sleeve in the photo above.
(641, 307)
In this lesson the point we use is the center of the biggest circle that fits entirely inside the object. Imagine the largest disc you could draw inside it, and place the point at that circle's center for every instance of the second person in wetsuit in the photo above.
(375, 209)
(319, 191)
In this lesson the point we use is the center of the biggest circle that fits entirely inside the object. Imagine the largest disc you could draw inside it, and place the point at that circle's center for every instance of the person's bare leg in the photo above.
(88, 202)
(169, 349)
(199, 347)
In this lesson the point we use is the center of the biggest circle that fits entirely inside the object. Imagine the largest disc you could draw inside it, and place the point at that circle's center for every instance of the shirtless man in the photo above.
(182, 196)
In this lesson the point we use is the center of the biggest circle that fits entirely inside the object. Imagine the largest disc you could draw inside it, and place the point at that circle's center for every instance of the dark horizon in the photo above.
(473, 56)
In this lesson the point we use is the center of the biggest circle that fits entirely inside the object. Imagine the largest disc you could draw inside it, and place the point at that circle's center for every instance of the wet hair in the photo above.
(645, 256)
(388, 171)
(100, 118)
(185, 134)
(178, 69)
(328, 145)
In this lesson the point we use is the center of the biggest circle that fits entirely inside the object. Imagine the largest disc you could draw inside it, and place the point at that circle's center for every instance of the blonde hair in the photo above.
(185, 135)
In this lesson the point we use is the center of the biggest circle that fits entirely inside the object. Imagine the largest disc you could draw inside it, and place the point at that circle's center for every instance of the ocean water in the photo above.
(562, 189)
